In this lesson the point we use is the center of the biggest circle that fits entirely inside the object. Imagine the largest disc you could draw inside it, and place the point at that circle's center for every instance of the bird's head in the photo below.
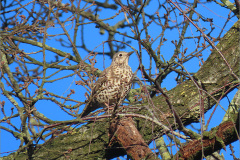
(121, 58)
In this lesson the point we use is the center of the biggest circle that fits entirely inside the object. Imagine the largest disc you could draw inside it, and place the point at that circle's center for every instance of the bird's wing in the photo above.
(98, 84)
(91, 106)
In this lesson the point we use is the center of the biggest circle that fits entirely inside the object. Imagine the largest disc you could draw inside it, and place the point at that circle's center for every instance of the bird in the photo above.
(112, 86)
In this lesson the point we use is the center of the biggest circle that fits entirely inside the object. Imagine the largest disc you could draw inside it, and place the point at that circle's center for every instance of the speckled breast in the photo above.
(116, 87)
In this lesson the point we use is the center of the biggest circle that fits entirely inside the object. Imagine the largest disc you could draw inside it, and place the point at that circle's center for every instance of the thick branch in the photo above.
(125, 133)
(212, 141)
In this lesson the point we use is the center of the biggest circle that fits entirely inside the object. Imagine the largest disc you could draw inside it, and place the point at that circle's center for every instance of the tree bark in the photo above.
(212, 141)
(124, 132)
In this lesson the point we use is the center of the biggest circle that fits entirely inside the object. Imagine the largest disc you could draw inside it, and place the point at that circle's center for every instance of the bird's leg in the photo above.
(108, 107)
(123, 109)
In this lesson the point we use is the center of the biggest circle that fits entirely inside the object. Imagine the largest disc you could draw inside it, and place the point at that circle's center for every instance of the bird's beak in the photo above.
(129, 53)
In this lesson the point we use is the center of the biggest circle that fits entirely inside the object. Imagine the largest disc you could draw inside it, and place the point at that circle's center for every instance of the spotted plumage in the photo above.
(113, 84)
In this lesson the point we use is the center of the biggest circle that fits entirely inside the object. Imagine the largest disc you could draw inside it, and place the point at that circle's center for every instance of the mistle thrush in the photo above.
(113, 84)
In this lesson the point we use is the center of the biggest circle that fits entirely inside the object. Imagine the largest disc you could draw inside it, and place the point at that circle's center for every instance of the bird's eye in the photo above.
(120, 55)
